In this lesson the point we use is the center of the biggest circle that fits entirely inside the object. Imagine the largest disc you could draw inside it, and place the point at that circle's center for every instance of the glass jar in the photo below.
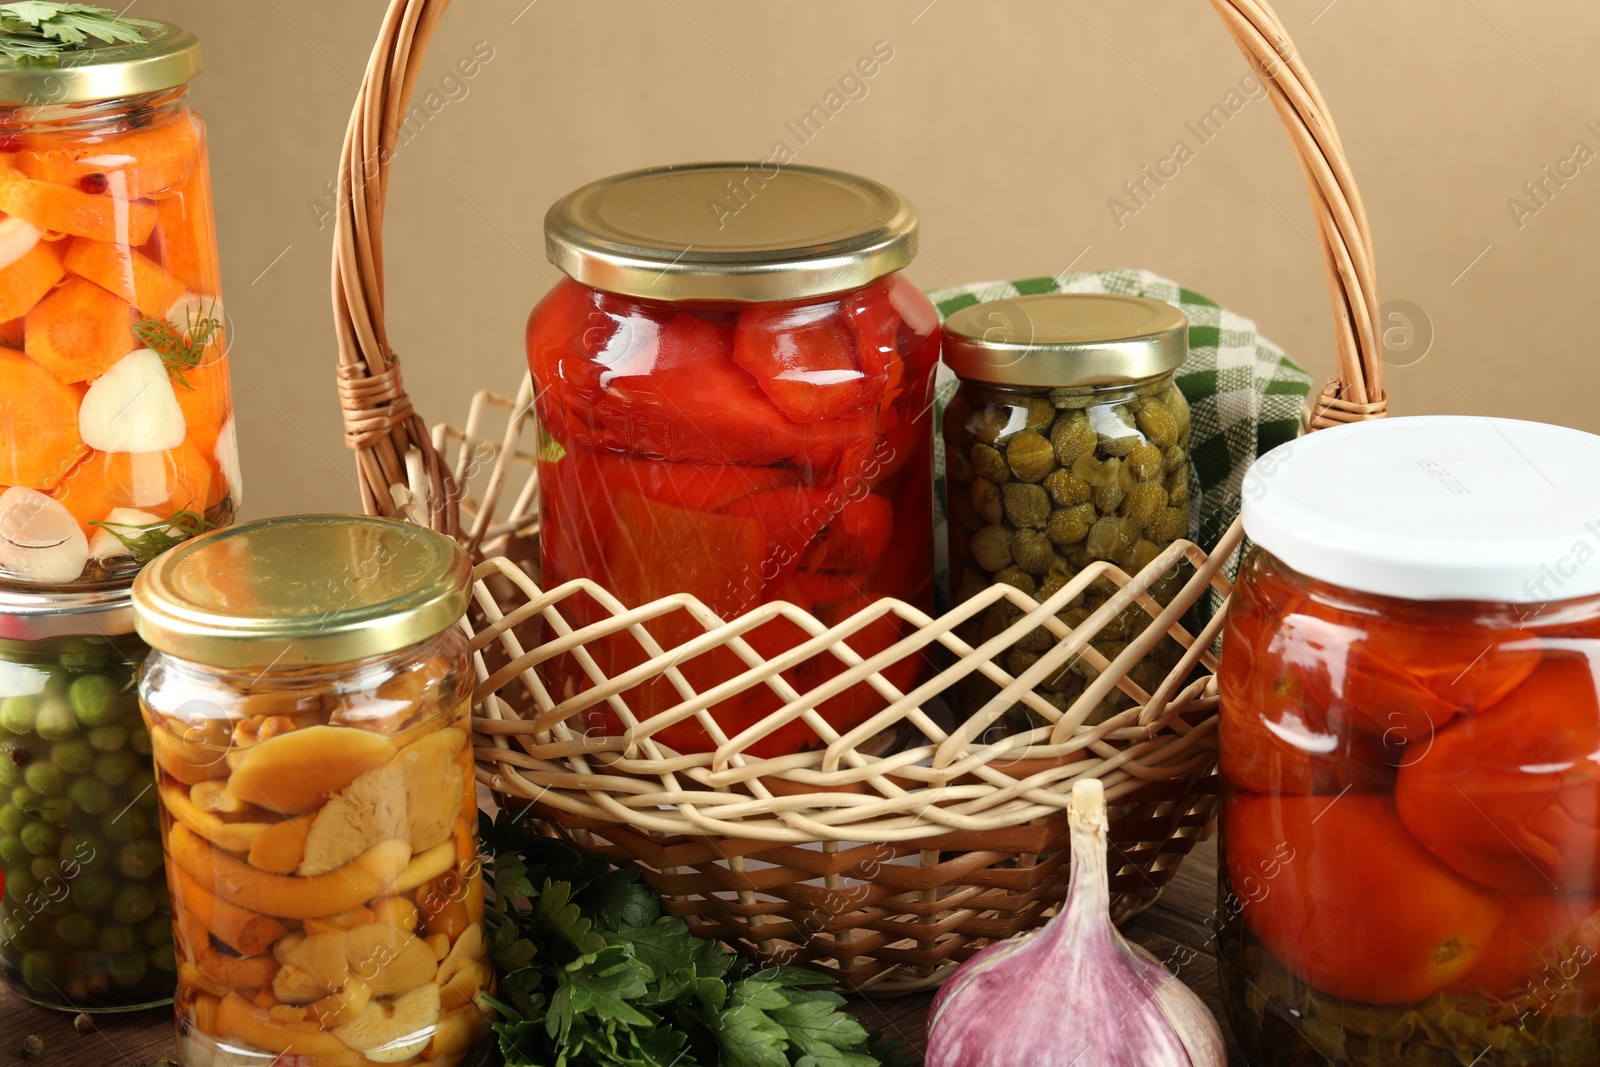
(308, 698)
(116, 417)
(84, 922)
(1409, 722)
(1066, 443)
(734, 389)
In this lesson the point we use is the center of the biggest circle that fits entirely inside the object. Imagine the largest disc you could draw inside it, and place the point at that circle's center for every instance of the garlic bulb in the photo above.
(1074, 993)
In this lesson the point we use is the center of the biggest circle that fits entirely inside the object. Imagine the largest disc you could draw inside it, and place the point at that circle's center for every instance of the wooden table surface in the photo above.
(1176, 929)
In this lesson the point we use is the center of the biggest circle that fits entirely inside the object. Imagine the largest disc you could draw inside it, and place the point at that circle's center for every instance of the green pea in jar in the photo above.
(1066, 444)
(85, 922)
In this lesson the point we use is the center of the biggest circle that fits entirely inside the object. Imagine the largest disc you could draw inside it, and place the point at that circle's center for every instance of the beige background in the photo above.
(1010, 125)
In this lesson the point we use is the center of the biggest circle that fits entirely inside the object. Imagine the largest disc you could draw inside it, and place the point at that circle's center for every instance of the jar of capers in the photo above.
(85, 922)
(1066, 443)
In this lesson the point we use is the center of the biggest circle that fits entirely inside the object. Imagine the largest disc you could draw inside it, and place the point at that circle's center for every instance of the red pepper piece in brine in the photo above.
(804, 359)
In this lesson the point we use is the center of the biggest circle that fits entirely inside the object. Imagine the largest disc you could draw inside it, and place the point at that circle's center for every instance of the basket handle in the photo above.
(397, 462)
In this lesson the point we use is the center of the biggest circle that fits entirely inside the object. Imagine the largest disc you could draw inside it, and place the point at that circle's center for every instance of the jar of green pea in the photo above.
(1066, 447)
(85, 920)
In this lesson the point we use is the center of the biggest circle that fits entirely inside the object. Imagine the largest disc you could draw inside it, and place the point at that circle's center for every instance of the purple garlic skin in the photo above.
(1074, 994)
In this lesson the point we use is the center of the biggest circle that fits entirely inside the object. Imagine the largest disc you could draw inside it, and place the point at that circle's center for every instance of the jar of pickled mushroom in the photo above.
(116, 420)
(84, 922)
(1066, 446)
(734, 386)
(308, 703)
(1409, 736)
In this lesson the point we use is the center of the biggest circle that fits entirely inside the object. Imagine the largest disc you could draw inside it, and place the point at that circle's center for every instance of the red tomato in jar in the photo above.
(1545, 949)
(1361, 910)
(1273, 738)
(1511, 797)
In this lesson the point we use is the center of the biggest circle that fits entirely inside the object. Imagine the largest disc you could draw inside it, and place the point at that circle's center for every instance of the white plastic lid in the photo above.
(1435, 508)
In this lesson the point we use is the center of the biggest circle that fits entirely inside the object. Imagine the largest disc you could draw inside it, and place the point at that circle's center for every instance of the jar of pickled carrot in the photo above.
(84, 923)
(116, 420)
(1410, 723)
(734, 390)
(307, 699)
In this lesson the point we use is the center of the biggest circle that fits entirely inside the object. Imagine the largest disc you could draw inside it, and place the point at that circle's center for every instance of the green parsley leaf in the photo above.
(36, 32)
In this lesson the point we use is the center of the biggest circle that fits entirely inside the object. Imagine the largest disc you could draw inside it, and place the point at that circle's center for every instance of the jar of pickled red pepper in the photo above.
(308, 700)
(84, 923)
(1066, 444)
(1410, 723)
(116, 420)
(734, 392)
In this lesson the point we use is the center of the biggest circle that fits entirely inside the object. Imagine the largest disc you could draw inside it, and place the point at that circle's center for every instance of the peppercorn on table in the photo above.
(1179, 929)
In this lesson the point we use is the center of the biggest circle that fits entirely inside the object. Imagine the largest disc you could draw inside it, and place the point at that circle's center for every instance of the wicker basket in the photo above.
(886, 870)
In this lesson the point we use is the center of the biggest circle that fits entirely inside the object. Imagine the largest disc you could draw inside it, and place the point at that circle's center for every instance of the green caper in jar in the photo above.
(989, 423)
(1157, 422)
(1041, 413)
(958, 467)
(1141, 555)
(1170, 525)
(1038, 639)
(1111, 536)
(1026, 505)
(1096, 471)
(991, 548)
(1072, 436)
(1107, 498)
(1066, 488)
(1144, 502)
(988, 463)
(1017, 578)
(1177, 485)
(1144, 461)
(1033, 551)
(1070, 525)
(962, 513)
(1018, 660)
(986, 501)
(1030, 456)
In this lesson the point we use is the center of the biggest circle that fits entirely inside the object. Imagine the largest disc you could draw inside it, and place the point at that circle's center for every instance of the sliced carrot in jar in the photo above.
(135, 277)
(186, 235)
(64, 209)
(147, 162)
(11, 334)
(161, 483)
(207, 400)
(25, 282)
(39, 440)
(77, 332)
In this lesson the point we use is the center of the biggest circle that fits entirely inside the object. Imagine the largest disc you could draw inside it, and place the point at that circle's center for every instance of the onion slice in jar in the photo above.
(132, 408)
(17, 238)
(105, 543)
(40, 541)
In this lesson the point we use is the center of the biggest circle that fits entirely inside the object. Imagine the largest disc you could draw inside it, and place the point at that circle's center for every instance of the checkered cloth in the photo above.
(1245, 395)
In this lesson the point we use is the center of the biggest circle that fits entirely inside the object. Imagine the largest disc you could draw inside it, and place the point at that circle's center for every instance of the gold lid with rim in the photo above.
(731, 232)
(168, 58)
(309, 590)
(1057, 340)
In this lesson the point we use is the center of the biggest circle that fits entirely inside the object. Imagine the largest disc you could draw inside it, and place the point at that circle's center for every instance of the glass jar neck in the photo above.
(93, 117)
(1553, 614)
(317, 674)
(1080, 395)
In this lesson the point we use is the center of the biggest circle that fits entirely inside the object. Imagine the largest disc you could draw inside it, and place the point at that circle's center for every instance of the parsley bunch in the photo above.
(35, 32)
(591, 973)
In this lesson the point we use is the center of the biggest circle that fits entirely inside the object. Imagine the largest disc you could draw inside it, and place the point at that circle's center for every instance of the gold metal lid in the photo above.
(169, 57)
(1056, 340)
(43, 616)
(731, 231)
(299, 591)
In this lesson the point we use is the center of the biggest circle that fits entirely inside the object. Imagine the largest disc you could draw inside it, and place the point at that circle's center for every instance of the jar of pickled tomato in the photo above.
(308, 702)
(1066, 444)
(84, 922)
(1409, 737)
(734, 390)
(116, 420)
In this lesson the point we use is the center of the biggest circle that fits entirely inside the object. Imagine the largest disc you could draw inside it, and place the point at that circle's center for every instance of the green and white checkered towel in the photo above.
(1245, 394)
